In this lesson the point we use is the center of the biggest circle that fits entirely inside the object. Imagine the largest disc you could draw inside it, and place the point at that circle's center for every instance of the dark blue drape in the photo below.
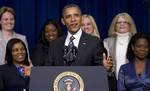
(31, 14)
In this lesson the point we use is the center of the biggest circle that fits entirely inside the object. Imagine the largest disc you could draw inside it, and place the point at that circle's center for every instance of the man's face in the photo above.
(72, 19)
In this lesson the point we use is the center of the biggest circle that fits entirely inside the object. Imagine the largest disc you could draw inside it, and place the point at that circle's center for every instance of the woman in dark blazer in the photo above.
(50, 31)
(135, 75)
(14, 75)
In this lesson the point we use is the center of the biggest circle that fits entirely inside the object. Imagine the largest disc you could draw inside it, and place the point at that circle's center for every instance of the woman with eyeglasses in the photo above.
(121, 30)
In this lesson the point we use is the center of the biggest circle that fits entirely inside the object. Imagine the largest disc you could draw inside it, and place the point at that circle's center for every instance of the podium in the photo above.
(68, 78)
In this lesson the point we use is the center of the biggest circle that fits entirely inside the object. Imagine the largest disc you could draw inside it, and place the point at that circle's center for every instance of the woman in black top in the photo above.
(50, 31)
(14, 75)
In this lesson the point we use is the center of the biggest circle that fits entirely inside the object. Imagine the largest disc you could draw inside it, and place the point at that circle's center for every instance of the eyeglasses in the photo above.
(124, 22)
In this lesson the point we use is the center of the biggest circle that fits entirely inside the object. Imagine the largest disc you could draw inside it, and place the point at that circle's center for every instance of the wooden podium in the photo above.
(68, 78)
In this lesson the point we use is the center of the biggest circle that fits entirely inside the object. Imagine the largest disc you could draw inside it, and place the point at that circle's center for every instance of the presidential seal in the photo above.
(68, 81)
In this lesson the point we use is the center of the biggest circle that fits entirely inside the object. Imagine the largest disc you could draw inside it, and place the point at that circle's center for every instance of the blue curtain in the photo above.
(31, 14)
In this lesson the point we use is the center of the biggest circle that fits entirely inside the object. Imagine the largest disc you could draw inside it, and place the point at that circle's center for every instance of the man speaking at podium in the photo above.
(76, 48)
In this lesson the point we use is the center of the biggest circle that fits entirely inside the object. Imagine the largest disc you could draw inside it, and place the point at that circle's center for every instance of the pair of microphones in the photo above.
(70, 55)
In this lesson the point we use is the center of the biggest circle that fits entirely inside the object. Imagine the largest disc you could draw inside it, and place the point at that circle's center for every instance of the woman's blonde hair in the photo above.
(96, 31)
(129, 20)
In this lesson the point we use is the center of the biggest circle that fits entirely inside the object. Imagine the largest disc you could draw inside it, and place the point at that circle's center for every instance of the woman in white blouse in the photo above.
(120, 32)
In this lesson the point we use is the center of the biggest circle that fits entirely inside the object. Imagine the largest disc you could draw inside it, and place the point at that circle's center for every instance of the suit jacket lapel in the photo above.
(112, 49)
(82, 45)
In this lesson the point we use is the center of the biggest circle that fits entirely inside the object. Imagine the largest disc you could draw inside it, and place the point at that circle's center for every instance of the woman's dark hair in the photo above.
(130, 55)
(42, 38)
(8, 56)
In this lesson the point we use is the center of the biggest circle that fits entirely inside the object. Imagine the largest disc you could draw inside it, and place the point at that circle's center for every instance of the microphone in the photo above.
(74, 51)
(65, 52)
(69, 55)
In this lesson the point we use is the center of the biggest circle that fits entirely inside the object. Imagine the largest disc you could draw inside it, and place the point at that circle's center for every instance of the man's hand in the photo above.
(107, 62)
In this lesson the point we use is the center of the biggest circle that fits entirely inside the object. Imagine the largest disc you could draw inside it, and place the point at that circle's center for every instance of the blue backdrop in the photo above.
(31, 14)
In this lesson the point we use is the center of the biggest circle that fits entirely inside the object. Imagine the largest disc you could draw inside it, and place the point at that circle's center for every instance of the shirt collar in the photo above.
(77, 36)
(6, 40)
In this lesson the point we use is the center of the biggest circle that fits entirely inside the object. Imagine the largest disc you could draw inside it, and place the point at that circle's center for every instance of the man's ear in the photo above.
(62, 20)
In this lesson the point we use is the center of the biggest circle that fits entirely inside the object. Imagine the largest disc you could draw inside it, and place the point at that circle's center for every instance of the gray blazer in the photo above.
(110, 45)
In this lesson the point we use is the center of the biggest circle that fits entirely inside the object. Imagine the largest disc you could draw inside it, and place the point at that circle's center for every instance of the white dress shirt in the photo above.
(77, 36)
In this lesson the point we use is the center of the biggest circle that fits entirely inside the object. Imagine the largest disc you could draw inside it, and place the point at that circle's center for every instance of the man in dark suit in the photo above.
(88, 49)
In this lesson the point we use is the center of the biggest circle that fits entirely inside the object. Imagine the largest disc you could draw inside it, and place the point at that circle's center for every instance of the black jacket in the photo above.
(11, 80)
(89, 52)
